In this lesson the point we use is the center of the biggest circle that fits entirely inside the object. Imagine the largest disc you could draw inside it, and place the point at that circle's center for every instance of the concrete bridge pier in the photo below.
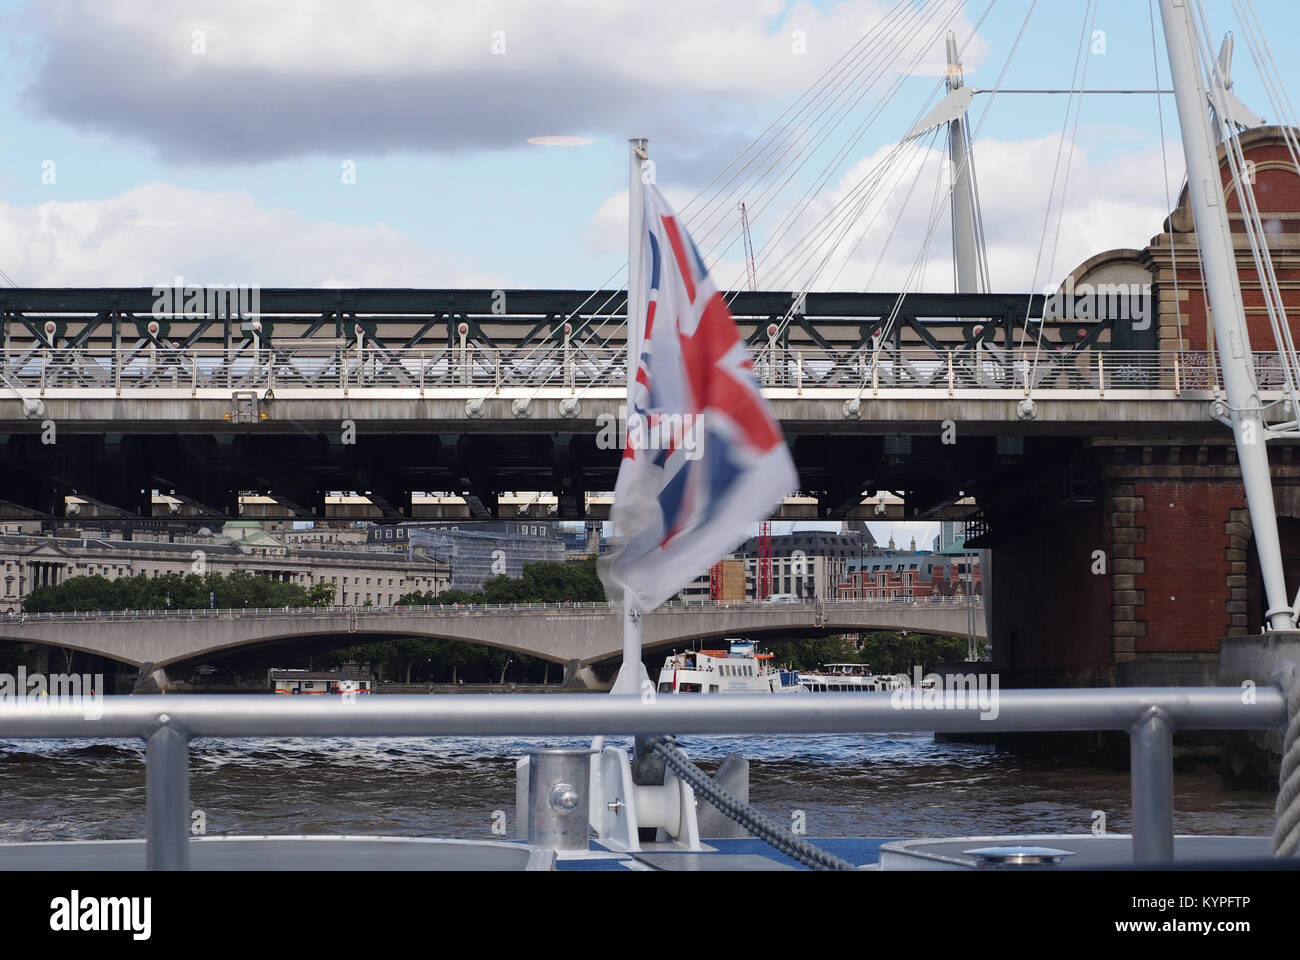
(580, 678)
(151, 680)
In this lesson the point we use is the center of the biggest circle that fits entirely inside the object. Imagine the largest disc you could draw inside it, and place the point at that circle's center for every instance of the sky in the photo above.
(333, 143)
(142, 140)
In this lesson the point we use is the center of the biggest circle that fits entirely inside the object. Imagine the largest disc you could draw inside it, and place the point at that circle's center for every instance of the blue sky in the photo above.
(229, 161)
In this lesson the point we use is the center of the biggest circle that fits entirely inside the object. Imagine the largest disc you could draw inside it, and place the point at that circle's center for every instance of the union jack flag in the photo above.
(704, 457)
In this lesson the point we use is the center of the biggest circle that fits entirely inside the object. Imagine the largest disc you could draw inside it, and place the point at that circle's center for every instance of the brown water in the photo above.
(866, 786)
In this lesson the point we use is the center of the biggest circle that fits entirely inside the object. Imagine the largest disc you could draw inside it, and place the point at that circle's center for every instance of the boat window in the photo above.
(665, 688)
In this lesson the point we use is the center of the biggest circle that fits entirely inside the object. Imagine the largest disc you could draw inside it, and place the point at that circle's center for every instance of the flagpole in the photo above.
(629, 675)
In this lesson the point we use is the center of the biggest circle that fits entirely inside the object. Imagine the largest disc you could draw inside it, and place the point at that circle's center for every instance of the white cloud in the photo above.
(280, 79)
(1116, 202)
(724, 45)
(153, 232)
(607, 228)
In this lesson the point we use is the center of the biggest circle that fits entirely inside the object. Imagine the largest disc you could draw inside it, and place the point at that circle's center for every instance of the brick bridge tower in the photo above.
(1138, 567)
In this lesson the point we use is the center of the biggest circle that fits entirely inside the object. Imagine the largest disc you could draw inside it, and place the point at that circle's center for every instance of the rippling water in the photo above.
(876, 785)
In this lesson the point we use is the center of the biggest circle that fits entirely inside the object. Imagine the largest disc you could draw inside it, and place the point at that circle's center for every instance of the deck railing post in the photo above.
(1151, 769)
(167, 797)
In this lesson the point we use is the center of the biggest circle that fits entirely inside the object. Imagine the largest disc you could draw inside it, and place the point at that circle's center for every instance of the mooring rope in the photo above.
(1286, 834)
(753, 820)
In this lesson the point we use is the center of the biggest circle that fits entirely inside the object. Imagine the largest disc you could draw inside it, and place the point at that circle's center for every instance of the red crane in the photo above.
(751, 271)
(715, 582)
(763, 588)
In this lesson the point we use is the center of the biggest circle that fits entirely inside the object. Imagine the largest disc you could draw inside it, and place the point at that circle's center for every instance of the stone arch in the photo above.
(350, 640)
(80, 648)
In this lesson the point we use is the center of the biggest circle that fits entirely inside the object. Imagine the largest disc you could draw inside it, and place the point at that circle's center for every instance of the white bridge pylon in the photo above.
(967, 223)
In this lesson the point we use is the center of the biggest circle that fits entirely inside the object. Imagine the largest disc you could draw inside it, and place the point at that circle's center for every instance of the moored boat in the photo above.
(854, 678)
(737, 669)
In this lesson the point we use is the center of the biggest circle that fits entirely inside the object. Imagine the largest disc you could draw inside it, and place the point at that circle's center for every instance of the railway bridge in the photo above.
(1080, 446)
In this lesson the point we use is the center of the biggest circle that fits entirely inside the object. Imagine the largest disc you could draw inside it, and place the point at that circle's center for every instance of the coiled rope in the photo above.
(1286, 834)
(753, 820)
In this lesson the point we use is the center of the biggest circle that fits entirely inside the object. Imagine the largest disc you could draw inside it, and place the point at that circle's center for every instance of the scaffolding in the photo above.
(475, 557)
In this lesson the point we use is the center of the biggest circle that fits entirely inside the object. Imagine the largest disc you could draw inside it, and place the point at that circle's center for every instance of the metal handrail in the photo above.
(1149, 715)
(701, 606)
(806, 367)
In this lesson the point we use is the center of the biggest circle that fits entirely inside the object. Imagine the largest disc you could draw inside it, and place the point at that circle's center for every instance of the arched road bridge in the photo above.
(585, 632)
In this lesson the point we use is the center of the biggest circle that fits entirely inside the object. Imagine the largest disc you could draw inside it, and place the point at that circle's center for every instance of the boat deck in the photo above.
(1082, 852)
(746, 853)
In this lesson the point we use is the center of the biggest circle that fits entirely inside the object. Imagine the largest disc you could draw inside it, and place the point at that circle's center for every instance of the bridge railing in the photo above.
(204, 613)
(484, 370)
(167, 725)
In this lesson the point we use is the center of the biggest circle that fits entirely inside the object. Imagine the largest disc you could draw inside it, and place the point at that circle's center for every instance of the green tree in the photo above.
(168, 591)
(322, 595)
(14, 655)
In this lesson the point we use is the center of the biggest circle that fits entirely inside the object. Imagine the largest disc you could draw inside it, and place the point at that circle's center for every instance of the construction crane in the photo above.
(751, 270)
(763, 588)
(716, 582)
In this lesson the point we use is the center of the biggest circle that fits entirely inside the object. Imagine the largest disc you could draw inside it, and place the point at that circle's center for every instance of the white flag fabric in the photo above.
(704, 457)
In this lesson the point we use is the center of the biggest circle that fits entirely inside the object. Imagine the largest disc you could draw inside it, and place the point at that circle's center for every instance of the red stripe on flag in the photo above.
(679, 253)
(713, 386)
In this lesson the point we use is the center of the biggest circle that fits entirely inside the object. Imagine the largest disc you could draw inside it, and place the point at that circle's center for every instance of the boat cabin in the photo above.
(308, 682)
(738, 668)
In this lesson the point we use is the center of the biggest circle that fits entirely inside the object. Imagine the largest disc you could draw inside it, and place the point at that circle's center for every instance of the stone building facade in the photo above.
(360, 576)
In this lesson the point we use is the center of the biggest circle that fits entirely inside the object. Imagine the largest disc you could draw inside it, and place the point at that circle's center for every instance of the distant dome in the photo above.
(204, 532)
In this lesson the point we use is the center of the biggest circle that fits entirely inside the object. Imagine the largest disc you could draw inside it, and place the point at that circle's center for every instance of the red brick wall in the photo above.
(1276, 191)
(1184, 546)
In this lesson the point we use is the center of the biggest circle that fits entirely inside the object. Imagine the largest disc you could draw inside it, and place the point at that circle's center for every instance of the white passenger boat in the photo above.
(854, 678)
(737, 669)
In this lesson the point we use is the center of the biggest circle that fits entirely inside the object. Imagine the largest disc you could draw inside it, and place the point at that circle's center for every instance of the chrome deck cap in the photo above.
(1017, 856)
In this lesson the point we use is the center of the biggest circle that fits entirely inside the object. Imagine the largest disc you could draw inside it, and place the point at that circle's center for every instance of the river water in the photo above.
(869, 786)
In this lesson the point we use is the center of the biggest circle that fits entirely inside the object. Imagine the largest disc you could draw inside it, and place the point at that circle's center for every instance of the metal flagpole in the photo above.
(630, 674)
(1205, 189)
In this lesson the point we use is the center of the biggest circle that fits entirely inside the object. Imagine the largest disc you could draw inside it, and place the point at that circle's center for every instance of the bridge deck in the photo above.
(588, 633)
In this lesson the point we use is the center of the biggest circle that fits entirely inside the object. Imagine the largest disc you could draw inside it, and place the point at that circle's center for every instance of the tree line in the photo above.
(886, 652)
(174, 591)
